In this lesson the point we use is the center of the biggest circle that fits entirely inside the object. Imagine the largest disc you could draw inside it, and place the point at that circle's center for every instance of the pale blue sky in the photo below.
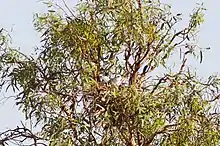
(19, 15)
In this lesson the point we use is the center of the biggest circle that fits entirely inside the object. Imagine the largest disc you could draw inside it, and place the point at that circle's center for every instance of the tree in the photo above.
(94, 80)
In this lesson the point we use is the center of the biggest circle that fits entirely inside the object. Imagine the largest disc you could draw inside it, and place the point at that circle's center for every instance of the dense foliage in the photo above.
(95, 80)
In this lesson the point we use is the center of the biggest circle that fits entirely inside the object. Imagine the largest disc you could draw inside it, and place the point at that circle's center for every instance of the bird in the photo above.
(116, 81)
(104, 79)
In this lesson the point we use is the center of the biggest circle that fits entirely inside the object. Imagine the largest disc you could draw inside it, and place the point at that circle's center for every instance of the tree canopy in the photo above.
(94, 79)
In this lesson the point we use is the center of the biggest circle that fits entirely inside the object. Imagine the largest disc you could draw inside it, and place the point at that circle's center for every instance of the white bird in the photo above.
(104, 79)
(117, 80)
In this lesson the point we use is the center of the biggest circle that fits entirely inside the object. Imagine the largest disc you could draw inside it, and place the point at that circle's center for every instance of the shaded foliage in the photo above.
(94, 80)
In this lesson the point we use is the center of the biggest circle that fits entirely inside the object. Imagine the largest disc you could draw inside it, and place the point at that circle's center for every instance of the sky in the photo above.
(17, 17)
